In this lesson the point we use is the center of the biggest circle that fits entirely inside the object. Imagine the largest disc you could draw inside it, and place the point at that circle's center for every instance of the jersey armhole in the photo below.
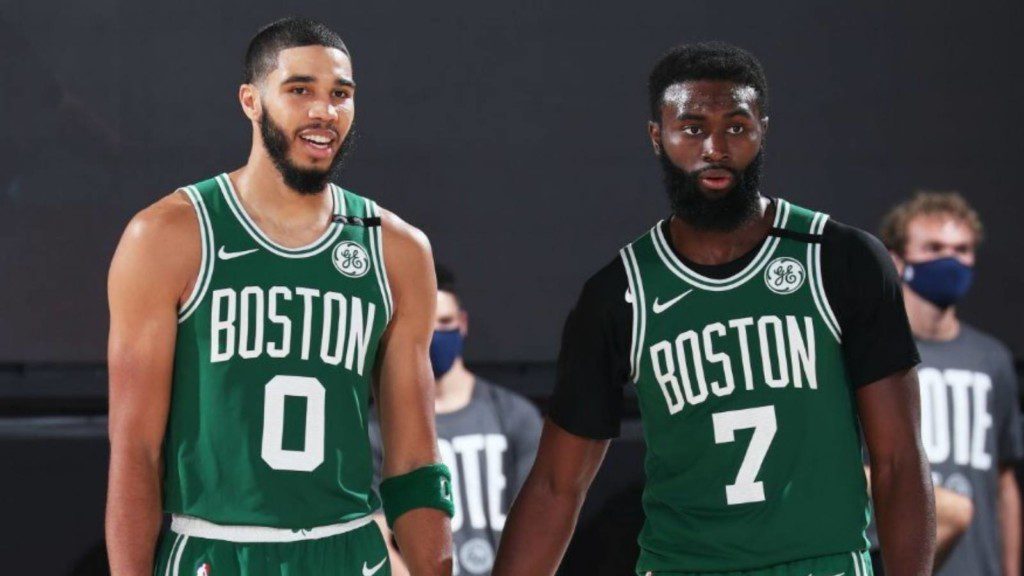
(377, 250)
(207, 257)
(818, 292)
(635, 297)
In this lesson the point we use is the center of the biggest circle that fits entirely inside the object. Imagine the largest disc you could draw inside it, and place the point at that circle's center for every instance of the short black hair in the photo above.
(261, 56)
(446, 280)
(706, 61)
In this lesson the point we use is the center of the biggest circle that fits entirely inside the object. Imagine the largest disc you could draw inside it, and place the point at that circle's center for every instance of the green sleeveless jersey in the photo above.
(753, 452)
(272, 366)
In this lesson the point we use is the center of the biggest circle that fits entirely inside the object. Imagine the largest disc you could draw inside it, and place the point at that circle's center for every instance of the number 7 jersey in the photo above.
(753, 448)
(272, 366)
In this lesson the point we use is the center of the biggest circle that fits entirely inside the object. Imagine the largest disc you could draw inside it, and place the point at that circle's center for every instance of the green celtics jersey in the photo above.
(272, 367)
(753, 451)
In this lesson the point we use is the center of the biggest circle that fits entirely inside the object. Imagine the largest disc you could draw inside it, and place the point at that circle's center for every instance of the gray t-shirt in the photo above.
(970, 426)
(489, 446)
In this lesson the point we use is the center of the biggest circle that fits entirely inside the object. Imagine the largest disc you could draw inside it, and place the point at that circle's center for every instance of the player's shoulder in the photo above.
(402, 235)
(853, 247)
(164, 226)
(608, 285)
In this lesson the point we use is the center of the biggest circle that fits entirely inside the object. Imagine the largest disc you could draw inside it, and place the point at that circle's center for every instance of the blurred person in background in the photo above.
(970, 407)
(487, 435)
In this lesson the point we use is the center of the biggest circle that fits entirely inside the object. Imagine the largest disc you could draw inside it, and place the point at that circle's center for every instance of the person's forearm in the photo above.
(424, 538)
(1009, 523)
(133, 514)
(905, 509)
(538, 530)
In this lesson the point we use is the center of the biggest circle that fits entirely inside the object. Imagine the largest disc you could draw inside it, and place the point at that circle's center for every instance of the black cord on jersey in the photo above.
(367, 222)
(800, 236)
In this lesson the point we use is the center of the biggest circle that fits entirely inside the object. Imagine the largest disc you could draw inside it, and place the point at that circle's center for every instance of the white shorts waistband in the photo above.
(199, 528)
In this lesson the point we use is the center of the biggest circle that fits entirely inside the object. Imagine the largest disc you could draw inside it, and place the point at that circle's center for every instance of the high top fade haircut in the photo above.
(706, 61)
(261, 56)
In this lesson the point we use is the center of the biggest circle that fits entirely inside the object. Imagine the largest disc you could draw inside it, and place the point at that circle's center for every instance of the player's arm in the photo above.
(584, 413)
(544, 514)
(900, 477)
(155, 263)
(398, 567)
(406, 392)
(1010, 520)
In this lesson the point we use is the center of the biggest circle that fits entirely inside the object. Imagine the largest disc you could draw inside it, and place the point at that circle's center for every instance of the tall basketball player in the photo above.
(251, 314)
(757, 333)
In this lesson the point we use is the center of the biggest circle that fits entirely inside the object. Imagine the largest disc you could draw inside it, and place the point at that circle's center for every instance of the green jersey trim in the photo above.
(207, 261)
(637, 300)
(817, 285)
(331, 234)
(673, 263)
(377, 249)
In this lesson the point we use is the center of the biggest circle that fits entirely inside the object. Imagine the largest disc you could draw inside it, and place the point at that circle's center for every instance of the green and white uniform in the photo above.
(266, 439)
(753, 452)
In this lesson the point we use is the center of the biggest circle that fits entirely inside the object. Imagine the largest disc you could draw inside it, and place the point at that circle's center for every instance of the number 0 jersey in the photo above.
(753, 452)
(272, 366)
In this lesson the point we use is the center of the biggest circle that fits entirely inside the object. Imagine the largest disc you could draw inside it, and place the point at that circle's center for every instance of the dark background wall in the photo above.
(513, 133)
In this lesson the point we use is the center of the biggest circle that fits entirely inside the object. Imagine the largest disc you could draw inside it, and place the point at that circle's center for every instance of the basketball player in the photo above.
(487, 436)
(756, 332)
(250, 315)
(970, 416)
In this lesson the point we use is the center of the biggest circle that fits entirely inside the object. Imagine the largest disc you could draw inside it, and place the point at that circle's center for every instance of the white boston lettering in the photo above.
(222, 325)
(695, 365)
(279, 349)
(339, 326)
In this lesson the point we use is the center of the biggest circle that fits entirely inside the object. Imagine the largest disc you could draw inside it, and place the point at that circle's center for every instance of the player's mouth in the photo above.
(716, 179)
(319, 142)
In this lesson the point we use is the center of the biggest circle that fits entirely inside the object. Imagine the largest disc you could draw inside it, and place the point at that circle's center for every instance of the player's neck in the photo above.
(276, 206)
(928, 321)
(454, 389)
(713, 247)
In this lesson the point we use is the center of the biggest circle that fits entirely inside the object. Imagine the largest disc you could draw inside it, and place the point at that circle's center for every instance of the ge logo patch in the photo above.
(784, 275)
(476, 556)
(351, 260)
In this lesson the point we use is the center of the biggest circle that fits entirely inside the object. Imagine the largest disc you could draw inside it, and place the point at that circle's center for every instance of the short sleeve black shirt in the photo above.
(860, 280)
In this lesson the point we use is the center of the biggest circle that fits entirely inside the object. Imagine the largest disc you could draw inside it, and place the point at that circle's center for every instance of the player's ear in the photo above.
(249, 98)
(463, 323)
(654, 132)
(764, 126)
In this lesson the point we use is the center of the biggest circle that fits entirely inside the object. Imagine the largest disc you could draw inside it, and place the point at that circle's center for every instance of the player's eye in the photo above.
(342, 94)
(737, 129)
(299, 90)
(692, 130)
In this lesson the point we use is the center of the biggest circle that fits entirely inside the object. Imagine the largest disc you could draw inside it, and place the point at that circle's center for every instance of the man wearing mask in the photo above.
(970, 415)
(487, 436)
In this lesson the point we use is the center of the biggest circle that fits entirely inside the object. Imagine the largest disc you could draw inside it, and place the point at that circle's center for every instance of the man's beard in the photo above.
(723, 214)
(302, 180)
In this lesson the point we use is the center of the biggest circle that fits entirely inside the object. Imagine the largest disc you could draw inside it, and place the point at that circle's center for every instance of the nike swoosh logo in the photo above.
(659, 308)
(840, 574)
(372, 571)
(225, 255)
(629, 296)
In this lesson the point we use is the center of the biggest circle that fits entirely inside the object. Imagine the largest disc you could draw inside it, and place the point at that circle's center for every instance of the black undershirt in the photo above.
(859, 279)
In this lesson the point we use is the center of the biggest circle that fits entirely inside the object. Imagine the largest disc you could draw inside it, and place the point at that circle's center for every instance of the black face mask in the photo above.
(302, 180)
(690, 204)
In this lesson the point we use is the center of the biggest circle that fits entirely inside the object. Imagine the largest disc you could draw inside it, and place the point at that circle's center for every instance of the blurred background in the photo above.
(512, 133)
